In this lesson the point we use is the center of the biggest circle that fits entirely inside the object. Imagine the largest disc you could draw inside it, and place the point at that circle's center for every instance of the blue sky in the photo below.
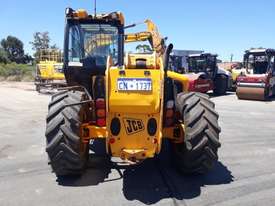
(219, 26)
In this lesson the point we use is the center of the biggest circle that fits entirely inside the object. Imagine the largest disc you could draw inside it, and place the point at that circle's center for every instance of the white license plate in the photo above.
(134, 84)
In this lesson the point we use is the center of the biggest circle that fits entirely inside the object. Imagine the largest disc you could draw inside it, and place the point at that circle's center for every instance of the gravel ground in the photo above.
(244, 175)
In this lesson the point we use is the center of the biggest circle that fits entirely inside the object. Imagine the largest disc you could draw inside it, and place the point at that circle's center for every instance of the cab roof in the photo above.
(82, 14)
(202, 55)
(260, 51)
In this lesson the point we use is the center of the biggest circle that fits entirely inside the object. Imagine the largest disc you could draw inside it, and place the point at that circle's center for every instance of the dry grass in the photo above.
(16, 72)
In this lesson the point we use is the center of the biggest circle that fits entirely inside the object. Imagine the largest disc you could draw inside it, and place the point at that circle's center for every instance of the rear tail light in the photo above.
(112, 140)
(100, 103)
(101, 122)
(169, 113)
(100, 113)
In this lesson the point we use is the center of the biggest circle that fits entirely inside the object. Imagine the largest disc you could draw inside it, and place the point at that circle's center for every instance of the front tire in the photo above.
(220, 85)
(67, 153)
(38, 88)
(198, 152)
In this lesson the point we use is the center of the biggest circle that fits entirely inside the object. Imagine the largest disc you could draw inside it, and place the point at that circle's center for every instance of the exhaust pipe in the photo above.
(166, 57)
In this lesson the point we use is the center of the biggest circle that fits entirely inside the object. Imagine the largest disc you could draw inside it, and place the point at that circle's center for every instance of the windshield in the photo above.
(202, 64)
(93, 42)
(197, 65)
(258, 64)
(176, 63)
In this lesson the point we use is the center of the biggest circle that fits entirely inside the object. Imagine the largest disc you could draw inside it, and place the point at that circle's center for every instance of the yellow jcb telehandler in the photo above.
(132, 103)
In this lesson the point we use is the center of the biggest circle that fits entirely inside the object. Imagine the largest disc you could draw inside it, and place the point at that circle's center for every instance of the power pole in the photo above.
(231, 58)
(95, 6)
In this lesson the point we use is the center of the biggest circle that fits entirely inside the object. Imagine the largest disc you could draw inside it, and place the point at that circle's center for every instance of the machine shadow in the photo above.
(229, 93)
(271, 99)
(148, 188)
(149, 182)
(46, 93)
(157, 179)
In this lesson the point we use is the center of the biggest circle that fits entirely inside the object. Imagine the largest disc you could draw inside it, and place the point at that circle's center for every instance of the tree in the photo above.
(14, 49)
(4, 56)
(41, 41)
(55, 47)
(143, 48)
(28, 59)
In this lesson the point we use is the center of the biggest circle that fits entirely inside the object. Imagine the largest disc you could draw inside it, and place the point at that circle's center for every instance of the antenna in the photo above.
(95, 7)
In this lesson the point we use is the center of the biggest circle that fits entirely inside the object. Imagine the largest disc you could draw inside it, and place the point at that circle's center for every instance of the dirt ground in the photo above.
(244, 175)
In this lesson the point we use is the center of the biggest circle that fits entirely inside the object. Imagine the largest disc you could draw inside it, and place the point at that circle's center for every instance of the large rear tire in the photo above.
(198, 152)
(67, 153)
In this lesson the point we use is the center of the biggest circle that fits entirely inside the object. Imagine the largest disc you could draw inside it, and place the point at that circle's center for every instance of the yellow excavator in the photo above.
(131, 102)
(49, 70)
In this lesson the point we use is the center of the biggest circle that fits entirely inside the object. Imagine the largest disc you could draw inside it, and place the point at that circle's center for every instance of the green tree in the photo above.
(55, 47)
(14, 49)
(28, 59)
(4, 56)
(143, 48)
(41, 41)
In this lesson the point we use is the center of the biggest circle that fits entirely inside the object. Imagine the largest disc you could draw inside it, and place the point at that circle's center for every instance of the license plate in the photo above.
(134, 84)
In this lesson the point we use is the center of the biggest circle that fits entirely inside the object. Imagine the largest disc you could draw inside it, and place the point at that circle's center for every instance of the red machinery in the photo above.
(204, 75)
(258, 82)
